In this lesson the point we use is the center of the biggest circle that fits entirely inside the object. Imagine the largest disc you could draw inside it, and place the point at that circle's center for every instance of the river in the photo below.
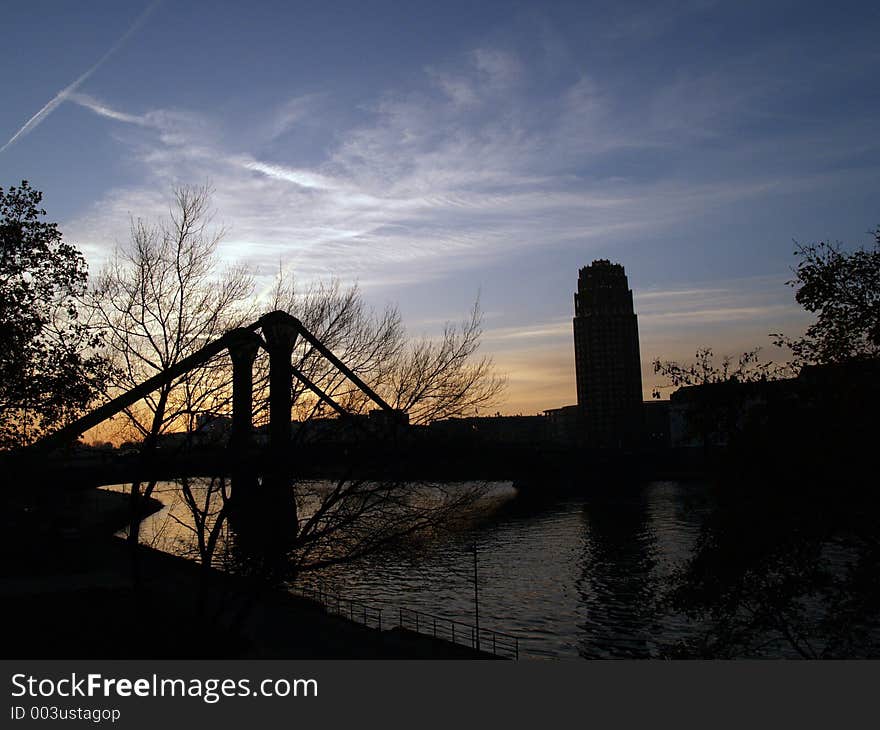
(569, 576)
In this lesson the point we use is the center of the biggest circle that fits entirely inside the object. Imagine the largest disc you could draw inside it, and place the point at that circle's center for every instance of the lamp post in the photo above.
(476, 598)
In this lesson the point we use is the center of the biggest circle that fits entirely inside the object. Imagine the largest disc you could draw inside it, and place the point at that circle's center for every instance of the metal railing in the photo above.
(356, 611)
(488, 640)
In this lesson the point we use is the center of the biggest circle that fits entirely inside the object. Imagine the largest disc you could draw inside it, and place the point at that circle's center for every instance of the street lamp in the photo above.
(473, 549)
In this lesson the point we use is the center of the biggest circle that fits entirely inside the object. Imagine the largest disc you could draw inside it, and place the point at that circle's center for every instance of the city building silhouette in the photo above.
(607, 360)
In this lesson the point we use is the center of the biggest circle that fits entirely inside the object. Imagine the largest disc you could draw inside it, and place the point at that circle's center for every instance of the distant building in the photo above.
(388, 421)
(523, 430)
(657, 414)
(607, 360)
(714, 414)
(212, 428)
(565, 425)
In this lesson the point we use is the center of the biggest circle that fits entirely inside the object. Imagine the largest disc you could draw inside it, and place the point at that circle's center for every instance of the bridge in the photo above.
(278, 334)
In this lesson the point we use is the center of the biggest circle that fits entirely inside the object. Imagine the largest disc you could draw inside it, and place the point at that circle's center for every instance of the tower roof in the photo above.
(603, 287)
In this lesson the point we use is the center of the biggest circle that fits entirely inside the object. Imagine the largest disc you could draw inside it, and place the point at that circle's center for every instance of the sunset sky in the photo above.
(439, 151)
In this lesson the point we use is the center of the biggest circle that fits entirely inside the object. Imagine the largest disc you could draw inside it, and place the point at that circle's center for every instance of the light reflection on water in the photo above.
(571, 577)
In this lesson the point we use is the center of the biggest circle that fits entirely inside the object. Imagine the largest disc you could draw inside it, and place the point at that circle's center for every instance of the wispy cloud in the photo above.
(756, 299)
(719, 315)
(68, 90)
(303, 178)
(549, 330)
(761, 299)
(101, 109)
(293, 112)
(529, 149)
(454, 172)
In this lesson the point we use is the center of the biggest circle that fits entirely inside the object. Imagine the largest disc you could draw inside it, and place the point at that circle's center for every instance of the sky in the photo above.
(440, 152)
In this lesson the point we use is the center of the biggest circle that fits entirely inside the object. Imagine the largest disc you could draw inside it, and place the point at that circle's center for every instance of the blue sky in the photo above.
(433, 151)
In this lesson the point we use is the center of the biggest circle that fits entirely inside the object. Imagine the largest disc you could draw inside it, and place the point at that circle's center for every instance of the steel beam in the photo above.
(73, 430)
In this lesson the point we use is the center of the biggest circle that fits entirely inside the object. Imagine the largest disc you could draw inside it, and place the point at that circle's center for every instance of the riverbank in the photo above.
(74, 597)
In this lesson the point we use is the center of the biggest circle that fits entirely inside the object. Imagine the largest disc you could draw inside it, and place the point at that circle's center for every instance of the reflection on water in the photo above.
(572, 577)
(633, 543)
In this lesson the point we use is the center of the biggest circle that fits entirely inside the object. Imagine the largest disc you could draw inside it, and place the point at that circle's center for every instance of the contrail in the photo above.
(69, 89)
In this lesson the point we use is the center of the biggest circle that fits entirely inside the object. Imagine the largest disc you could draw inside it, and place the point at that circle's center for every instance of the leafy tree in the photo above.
(843, 290)
(50, 364)
(787, 563)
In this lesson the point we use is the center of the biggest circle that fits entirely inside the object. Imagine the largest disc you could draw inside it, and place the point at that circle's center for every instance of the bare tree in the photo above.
(340, 522)
(429, 378)
(161, 299)
(748, 368)
(369, 343)
(442, 378)
(367, 508)
(364, 507)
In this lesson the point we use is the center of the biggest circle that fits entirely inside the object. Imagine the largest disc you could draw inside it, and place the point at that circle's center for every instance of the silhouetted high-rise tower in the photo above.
(607, 361)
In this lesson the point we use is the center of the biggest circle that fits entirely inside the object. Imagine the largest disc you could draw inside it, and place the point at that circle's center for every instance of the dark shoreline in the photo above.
(73, 597)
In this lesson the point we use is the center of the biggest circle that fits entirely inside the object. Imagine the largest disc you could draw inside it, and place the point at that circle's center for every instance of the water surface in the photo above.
(571, 577)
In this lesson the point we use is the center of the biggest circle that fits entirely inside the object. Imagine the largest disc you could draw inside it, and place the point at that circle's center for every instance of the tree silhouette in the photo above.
(748, 368)
(50, 365)
(162, 297)
(787, 562)
(159, 300)
(429, 378)
(843, 290)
